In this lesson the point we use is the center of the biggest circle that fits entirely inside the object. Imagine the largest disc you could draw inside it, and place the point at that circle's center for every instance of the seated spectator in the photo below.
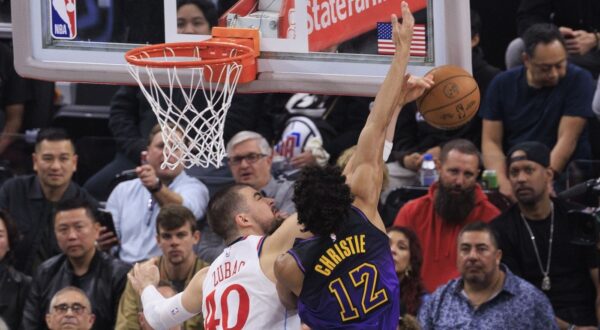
(176, 236)
(451, 203)
(70, 308)
(535, 237)
(131, 117)
(486, 295)
(31, 199)
(546, 100)
(166, 291)
(408, 258)
(134, 204)
(579, 22)
(13, 95)
(250, 158)
(81, 265)
(14, 285)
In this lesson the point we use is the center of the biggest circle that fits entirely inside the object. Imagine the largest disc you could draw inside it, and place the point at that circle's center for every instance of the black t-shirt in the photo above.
(571, 284)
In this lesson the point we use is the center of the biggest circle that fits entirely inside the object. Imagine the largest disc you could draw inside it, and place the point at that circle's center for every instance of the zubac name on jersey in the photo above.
(341, 250)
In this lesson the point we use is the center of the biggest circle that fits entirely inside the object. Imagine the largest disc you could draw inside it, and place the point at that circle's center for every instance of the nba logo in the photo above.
(63, 19)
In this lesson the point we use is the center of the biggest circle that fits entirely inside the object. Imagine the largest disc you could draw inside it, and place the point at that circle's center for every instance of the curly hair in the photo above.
(411, 286)
(322, 199)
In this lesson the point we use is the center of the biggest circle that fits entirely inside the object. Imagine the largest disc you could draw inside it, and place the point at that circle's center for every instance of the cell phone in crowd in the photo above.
(106, 220)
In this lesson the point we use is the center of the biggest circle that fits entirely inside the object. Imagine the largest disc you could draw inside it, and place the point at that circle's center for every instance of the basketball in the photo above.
(452, 101)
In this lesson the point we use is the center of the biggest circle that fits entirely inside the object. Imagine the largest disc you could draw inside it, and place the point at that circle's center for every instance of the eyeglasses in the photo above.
(77, 308)
(250, 158)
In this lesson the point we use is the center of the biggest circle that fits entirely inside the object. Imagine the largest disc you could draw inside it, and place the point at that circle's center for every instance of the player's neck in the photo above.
(180, 272)
(538, 211)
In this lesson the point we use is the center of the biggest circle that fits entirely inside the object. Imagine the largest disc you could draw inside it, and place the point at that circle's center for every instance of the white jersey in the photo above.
(238, 295)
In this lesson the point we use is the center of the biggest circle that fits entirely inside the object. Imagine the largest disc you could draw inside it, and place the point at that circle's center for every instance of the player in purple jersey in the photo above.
(344, 277)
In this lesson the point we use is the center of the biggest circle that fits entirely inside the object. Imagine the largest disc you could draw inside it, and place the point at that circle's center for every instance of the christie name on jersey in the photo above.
(340, 250)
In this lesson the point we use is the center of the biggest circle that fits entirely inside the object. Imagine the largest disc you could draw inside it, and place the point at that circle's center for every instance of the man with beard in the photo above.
(453, 202)
(176, 235)
(535, 237)
(487, 295)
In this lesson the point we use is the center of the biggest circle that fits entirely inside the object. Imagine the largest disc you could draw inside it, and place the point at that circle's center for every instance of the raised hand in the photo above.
(402, 33)
(143, 275)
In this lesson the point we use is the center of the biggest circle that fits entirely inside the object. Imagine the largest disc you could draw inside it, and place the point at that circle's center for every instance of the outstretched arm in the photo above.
(365, 171)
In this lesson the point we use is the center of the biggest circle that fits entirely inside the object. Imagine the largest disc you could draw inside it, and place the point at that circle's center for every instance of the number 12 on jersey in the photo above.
(364, 276)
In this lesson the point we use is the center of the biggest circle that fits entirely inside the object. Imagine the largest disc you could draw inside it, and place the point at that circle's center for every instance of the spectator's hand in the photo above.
(413, 161)
(143, 275)
(107, 239)
(435, 152)
(578, 42)
(304, 159)
(506, 189)
(147, 174)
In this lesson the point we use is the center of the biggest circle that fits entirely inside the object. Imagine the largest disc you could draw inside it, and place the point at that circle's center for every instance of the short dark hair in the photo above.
(12, 233)
(463, 146)
(480, 226)
(222, 209)
(322, 198)
(541, 33)
(207, 7)
(173, 216)
(52, 134)
(475, 23)
(77, 203)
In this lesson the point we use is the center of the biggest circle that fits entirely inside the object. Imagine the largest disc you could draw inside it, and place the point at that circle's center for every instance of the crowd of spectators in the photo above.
(463, 260)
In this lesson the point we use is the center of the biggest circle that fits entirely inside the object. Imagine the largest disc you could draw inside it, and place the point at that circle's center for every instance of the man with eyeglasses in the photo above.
(546, 100)
(135, 204)
(250, 158)
(81, 265)
(70, 309)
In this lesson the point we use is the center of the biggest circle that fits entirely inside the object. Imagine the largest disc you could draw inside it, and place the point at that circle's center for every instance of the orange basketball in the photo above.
(452, 101)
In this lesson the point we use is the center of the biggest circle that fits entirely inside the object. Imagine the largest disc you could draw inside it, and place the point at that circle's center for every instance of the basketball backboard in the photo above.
(85, 41)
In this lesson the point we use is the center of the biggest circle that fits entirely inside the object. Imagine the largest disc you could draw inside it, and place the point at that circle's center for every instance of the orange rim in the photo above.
(154, 55)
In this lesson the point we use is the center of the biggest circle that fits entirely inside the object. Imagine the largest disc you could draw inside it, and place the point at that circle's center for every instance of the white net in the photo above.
(192, 128)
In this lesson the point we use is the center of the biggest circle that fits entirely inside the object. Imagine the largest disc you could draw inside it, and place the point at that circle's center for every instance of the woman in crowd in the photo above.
(14, 286)
(406, 251)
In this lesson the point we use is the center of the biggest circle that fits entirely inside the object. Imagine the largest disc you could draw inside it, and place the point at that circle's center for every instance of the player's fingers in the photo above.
(407, 17)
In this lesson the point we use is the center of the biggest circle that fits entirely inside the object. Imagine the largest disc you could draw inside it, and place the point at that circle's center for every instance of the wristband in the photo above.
(157, 187)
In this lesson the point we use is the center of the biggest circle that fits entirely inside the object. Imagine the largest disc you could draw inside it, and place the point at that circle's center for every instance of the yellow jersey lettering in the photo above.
(321, 270)
(345, 249)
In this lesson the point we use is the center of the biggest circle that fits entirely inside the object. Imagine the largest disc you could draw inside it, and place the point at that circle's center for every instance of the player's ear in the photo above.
(242, 220)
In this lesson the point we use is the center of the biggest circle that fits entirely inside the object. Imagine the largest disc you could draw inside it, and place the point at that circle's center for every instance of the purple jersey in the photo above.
(349, 278)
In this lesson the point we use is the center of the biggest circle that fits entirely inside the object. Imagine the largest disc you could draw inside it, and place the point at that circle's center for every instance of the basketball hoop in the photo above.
(193, 135)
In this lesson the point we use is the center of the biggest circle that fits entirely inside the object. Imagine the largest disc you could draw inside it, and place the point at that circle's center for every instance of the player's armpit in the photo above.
(289, 280)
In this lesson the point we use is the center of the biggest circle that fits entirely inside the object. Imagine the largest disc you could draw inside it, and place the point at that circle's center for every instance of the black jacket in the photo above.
(14, 287)
(103, 284)
(24, 199)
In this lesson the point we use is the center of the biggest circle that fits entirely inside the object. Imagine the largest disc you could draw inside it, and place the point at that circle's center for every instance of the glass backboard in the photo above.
(340, 49)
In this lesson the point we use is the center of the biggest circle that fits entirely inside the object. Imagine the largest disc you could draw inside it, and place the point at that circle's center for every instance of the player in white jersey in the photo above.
(237, 279)
(238, 290)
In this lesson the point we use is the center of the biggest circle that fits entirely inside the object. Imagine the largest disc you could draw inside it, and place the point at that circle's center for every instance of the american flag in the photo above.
(385, 44)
